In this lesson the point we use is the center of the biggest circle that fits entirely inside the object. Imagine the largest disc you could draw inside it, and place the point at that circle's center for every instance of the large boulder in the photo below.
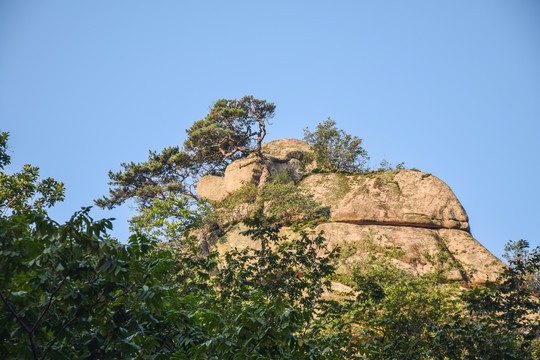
(281, 155)
(212, 188)
(240, 172)
(283, 150)
(399, 197)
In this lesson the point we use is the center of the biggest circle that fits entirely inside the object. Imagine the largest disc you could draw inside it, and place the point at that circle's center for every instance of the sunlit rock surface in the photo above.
(405, 209)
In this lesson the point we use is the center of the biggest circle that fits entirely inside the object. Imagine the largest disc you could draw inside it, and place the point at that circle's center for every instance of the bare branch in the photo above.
(42, 314)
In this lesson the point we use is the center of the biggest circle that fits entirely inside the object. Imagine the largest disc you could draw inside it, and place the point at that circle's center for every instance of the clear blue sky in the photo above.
(449, 87)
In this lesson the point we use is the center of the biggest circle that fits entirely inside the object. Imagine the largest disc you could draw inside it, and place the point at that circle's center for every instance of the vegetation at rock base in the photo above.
(70, 291)
(280, 199)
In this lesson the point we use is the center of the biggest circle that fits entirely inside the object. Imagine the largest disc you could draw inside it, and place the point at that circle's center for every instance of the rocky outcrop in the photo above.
(399, 197)
(422, 249)
(212, 188)
(409, 210)
(282, 155)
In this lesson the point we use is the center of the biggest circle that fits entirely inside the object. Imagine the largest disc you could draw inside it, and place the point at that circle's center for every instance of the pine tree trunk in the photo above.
(265, 174)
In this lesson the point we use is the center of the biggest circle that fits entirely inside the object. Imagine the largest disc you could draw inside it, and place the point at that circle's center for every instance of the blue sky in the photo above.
(449, 87)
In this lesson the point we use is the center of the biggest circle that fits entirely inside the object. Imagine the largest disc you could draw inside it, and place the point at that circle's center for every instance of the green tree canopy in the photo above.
(71, 292)
(24, 190)
(232, 129)
(171, 171)
(335, 149)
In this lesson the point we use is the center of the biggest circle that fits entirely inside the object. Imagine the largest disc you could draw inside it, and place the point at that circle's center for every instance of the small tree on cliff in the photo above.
(169, 172)
(233, 129)
(335, 149)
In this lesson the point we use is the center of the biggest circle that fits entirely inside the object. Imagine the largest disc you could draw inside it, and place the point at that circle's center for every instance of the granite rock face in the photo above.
(399, 197)
(410, 210)
(212, 188)
(467, 259)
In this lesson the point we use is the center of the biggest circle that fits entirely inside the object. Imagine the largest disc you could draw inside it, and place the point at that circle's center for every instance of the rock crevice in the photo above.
(396, 224)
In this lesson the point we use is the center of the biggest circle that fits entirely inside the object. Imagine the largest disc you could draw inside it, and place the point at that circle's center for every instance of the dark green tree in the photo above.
(268, 302)
(335, 149)
(232, 129)
(71, 292)
(171, 171)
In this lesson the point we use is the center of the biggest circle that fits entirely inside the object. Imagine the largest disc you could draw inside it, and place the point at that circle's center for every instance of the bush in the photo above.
(280, 199)
(336, 150)
(70, 291)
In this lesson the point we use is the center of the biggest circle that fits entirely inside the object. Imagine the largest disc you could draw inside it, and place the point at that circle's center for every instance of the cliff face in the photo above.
(399, 198)
(410, 210)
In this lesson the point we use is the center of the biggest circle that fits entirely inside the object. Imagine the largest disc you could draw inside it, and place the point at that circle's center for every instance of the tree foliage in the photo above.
(335, 149)
(171, 171)
(517, 253)
(233, 129)
(406, 316)
(24, 189)
(165, 219)
(70, 291)
(268, 301)
(5, 159)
